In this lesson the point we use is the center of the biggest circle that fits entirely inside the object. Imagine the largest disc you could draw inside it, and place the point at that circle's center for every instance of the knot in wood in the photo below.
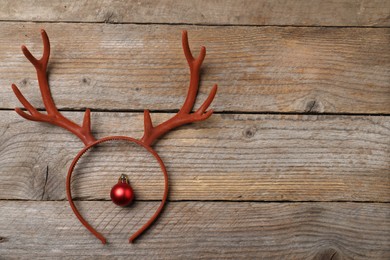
(314, 106)
(86, 80)
(249, 132)
(328, 254)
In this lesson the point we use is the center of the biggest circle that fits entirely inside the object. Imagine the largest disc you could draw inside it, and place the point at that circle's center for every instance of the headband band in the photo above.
(116, 138)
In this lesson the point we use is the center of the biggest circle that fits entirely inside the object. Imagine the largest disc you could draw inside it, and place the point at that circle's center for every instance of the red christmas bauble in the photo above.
(121, 193)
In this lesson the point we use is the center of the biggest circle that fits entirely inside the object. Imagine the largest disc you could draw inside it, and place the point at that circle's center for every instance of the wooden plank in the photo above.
(198, 230)
(229, 157)
(249, 12)
(259, 69)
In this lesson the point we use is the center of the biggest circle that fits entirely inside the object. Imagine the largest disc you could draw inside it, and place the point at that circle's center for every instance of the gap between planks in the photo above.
(218, 201)
(200, 24)
(173, 111)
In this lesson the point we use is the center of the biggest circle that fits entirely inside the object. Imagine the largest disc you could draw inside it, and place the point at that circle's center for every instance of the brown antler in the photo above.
(184, 116)
(53, 116)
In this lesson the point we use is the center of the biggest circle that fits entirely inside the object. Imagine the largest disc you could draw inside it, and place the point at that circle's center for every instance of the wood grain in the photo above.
(264, 178)
(229, 157)
(258, 69)
(198, 230)
(249, 12)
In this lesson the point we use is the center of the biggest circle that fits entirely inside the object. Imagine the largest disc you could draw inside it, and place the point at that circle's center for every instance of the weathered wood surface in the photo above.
(249, 12)
(258, 69)
(243, 185)
(226, 230)
(229, 157)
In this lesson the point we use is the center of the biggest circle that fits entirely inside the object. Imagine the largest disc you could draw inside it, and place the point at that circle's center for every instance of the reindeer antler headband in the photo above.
(151, 133)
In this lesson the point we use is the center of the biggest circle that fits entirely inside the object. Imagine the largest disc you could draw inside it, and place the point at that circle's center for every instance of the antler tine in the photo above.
(41, 67)
(43, 61)
(194, 65)
(184, 116)
(53, 116)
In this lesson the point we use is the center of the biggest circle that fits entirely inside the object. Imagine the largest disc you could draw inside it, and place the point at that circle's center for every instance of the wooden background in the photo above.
(294, 164)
